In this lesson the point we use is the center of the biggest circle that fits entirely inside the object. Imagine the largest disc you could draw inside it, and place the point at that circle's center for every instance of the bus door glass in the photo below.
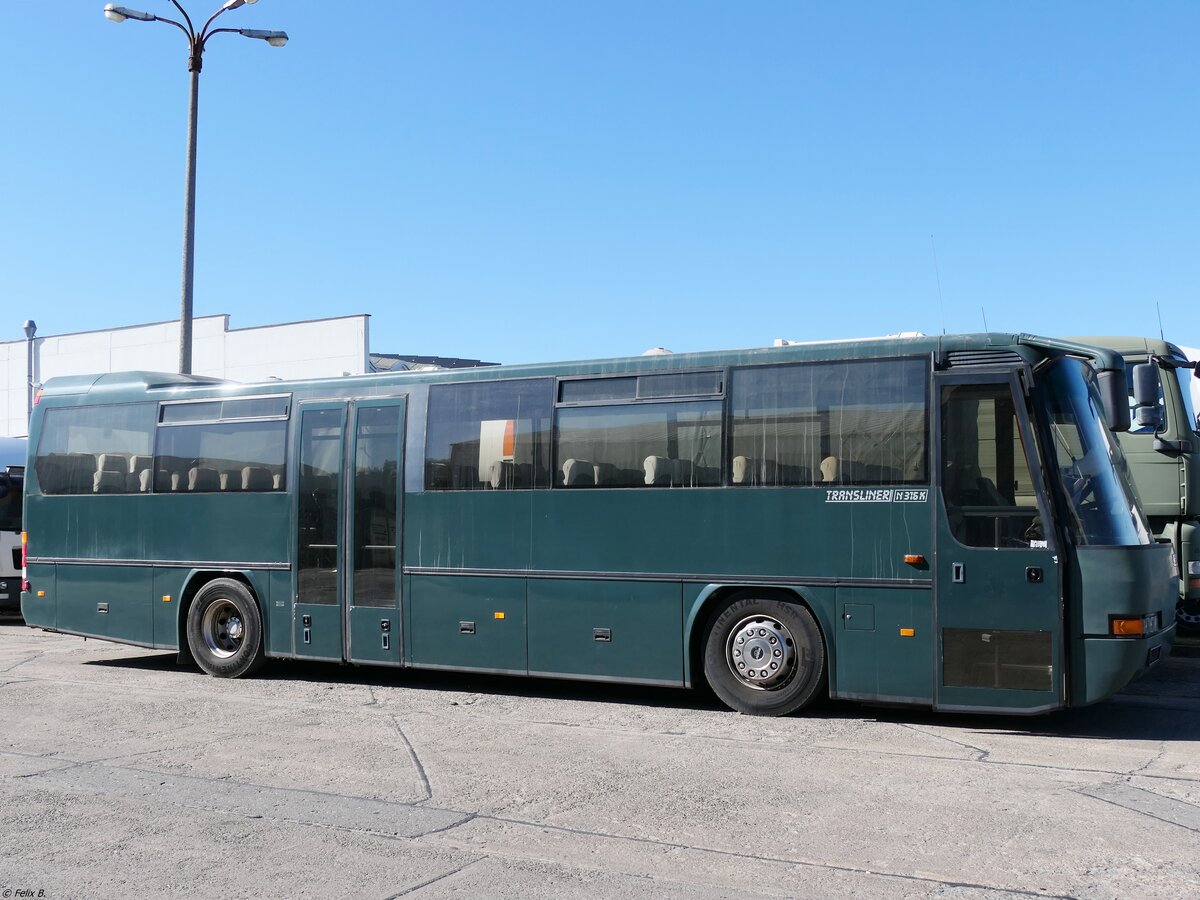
(317, 625)
(372, 536)
(997, 587)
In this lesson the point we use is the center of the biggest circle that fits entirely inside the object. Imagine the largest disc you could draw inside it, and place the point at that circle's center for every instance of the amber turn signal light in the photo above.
(1131, 627)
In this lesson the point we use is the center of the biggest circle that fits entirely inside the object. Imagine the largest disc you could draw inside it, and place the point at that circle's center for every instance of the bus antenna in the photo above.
(983, 312)
(938, 275)
(1158, 306)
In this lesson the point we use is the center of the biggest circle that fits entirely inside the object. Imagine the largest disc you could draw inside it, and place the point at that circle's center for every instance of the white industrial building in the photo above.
(310, 349)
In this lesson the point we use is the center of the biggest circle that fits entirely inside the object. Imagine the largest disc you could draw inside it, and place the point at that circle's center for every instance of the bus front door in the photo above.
(998, 607)
(375, 491)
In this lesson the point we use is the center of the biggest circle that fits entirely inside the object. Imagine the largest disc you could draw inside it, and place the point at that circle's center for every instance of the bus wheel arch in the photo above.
(761, 650)
(223, 626)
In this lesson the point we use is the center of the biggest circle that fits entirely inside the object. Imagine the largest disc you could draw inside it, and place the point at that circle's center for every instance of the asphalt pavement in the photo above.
(125, 775)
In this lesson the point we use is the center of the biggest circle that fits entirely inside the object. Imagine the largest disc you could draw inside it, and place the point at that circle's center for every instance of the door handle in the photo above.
(958, 573)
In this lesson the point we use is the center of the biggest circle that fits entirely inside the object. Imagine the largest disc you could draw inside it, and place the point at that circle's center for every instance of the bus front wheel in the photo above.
(764, 657)
(224, 629)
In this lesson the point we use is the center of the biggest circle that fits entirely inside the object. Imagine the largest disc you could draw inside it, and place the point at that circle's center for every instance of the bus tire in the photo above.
(224, 629)
(764, 657)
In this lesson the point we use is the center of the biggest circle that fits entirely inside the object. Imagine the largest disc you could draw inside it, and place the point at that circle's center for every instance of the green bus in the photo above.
(1163, 450)
(936, 521)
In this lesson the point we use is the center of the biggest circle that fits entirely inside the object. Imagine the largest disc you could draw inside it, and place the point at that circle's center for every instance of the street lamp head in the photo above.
(274, 38)
(234, 4)
(115, 13)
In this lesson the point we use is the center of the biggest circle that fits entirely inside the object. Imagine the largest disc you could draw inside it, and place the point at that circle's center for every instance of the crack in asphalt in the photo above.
(416, 761)
(434, 880)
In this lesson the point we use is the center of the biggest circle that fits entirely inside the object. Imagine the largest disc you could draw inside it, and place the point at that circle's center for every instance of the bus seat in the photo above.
(138, 481)
(256, 478)
(112, 462)
(748, 470)
(80, 469)
(202, 478)
(109, 483)
(657, 469)
(437, 474)
(606, 474)
(110, 475)
(662, 470)
(744, 470)
(501, 474)
(830, 469)
(578, 473)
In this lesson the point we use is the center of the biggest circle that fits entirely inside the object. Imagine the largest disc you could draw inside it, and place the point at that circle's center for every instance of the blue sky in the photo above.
(555, 180)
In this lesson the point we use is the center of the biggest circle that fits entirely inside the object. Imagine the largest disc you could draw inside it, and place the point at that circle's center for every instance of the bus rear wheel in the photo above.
(764, 657)
(224, 629)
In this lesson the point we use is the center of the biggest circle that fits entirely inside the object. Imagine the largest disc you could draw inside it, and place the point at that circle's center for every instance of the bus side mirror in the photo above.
(1145, 396)
(1115, 396)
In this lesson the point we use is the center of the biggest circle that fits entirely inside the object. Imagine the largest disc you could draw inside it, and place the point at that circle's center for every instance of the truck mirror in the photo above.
(1115, 396)
(1145, 396)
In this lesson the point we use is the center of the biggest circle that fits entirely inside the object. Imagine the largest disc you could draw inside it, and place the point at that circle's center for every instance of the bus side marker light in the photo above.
(166, 598)
(914, 559)
(41, 593)
(497, 615)
(907, 632)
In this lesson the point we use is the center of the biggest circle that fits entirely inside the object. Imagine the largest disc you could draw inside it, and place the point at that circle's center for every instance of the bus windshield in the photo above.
(11, 502)
(1088, 462)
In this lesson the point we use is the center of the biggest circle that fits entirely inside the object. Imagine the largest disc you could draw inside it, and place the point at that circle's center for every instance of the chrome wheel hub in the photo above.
(761, 652)
(222, 628)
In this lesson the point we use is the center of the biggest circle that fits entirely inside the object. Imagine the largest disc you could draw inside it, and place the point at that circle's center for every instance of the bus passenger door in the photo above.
(372, 531)
(998, 610)
(317, 461)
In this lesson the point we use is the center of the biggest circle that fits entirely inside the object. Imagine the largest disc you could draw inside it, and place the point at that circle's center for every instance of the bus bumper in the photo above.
(1110, 663)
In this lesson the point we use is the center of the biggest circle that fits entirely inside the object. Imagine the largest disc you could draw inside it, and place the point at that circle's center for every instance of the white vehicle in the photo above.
(12, 484)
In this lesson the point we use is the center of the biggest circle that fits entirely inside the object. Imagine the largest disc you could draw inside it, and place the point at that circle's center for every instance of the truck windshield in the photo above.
(1186, 380)
(1087, 462)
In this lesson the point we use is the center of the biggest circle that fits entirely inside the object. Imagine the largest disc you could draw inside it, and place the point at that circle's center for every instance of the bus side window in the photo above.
(87, 449)
(490, 435)
(858, 422)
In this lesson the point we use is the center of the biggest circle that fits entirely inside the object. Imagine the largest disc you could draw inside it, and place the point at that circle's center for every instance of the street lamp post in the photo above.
(196, 43)
(30, 331)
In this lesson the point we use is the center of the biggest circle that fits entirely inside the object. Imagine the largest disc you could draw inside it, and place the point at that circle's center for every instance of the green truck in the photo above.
(1162, 448)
